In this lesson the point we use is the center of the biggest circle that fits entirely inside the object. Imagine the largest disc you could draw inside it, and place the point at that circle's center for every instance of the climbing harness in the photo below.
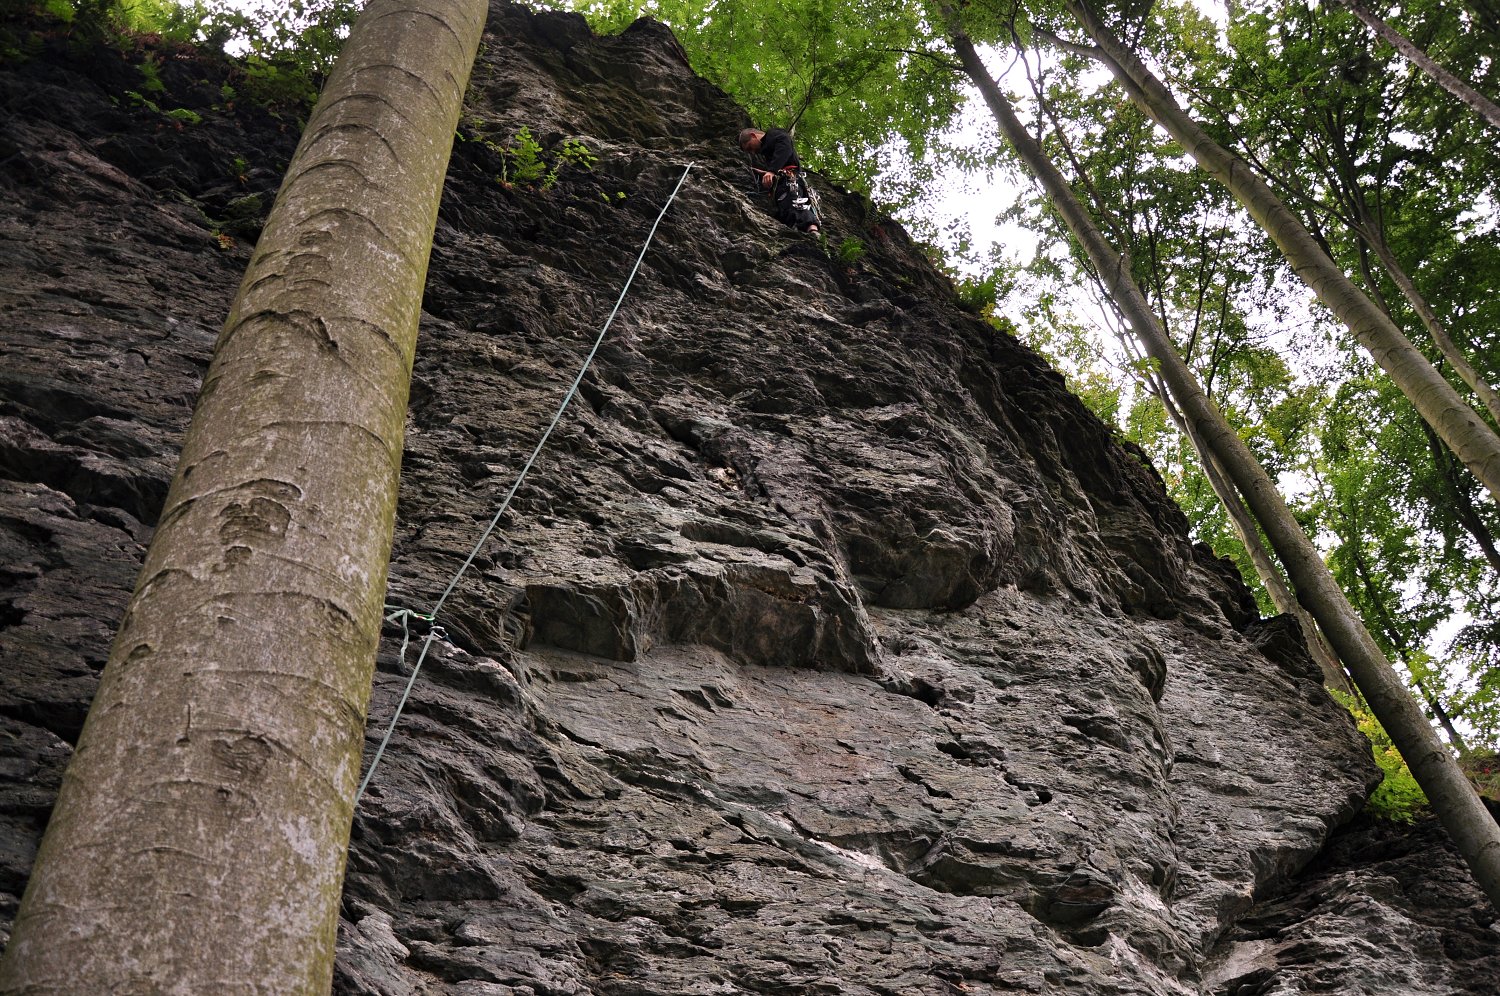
(804, 201)
(801, 201)
(435, 632)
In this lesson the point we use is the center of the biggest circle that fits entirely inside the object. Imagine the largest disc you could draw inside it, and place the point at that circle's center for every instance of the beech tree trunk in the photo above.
(1367, 229)
(1243, 523)
(1396, 640)
(1465, 511)
(198, 843)
(1453, 798)
(1244, 526)
(1469, 436)
(1426, 63)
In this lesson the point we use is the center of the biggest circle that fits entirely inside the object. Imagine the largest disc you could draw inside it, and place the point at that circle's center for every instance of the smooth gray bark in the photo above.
(1414, 54)
(1368, 230)
(1244, 526)
(1468, 435)
(198, 843)
(1434, 767)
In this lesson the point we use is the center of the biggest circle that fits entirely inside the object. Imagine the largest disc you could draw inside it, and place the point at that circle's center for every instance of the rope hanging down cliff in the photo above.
(403, 615)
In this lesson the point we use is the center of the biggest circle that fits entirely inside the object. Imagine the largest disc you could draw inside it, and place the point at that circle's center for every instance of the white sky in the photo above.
(978, 200)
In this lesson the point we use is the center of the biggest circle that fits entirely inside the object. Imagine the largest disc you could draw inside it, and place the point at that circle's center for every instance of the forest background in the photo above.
(1393, 176)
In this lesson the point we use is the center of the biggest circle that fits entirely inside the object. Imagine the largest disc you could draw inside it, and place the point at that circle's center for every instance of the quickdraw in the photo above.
(804, 199)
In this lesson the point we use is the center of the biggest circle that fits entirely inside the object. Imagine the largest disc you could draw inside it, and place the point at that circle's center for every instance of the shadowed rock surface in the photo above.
(831, 647)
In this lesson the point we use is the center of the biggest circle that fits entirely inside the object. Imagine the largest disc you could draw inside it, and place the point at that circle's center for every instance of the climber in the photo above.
(782, 177)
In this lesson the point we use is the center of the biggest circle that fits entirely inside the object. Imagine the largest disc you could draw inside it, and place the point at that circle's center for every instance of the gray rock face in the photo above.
(1356, 919)
(831, 647)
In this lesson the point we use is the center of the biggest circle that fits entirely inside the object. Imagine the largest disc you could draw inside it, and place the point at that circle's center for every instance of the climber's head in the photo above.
(750, 139)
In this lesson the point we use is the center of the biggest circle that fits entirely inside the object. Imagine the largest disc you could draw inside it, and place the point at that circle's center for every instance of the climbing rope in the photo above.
(398, 614)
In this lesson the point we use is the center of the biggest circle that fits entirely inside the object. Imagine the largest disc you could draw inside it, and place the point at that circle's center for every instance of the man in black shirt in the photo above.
(782, 177)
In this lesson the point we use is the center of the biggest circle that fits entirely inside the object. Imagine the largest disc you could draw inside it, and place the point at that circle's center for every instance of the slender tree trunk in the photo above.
(1371, 238)
(1426, 63)
(1240, 518)
(1395, 637)
(1469, 436)
(1243, 523)
(1486, 14)
(1458, 806)
(199, 840)
(1465, 512)
(1244, 527)
(1446, 722)
(1370, 233)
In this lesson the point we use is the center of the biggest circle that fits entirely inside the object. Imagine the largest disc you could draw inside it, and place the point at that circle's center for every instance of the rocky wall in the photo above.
(831, 647)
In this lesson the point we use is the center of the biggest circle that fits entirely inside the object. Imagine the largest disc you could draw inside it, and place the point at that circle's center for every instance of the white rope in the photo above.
(436, 631)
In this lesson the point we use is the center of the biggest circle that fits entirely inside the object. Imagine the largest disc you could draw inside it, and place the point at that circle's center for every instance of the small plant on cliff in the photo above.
(522, 162)
(179, 116)
(150, 69)
(139, 100)
(977, 294)
(574, 153)
(850, 251)
(279, 81)
(1397, 797)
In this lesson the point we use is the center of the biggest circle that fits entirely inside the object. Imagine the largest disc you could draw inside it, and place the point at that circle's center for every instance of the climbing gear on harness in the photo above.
(792, 197)
(804, 200)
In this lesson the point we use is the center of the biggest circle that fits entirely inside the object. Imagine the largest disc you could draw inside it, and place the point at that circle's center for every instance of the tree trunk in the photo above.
(1465, 512)
(1469, 436)
(1244, 527)
(1486, 14)
(1426, 63)
(1367, 229)
(1452, 797)
(1446, 722)
(1393, 635)
(198, 843)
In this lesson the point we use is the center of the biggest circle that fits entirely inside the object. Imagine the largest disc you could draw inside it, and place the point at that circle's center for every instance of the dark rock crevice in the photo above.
(832, 648)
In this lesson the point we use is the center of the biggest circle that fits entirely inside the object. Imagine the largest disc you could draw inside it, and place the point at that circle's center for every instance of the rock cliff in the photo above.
(831, 647)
